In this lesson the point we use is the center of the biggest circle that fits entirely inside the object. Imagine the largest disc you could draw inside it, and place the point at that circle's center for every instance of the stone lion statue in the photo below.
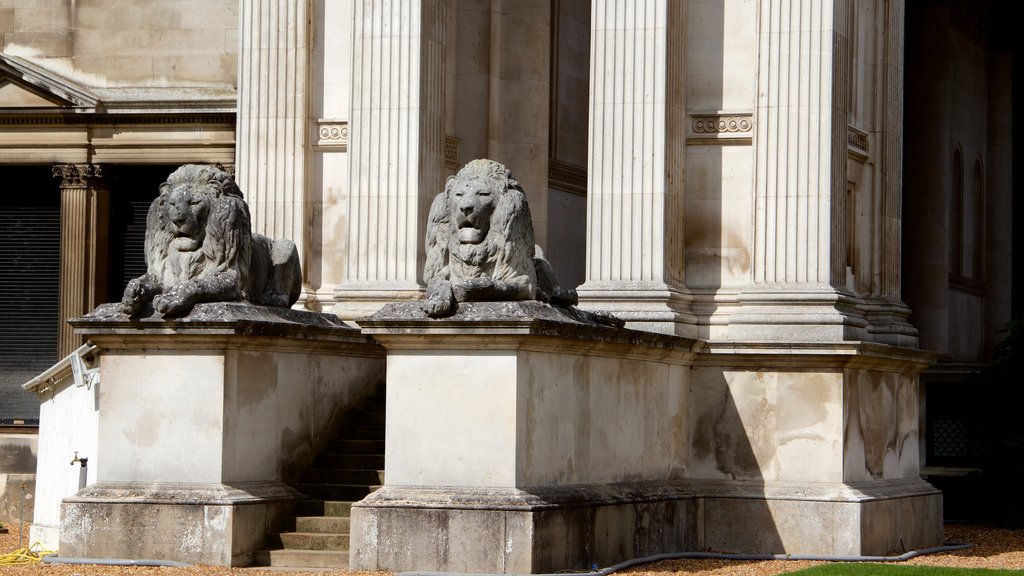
(200, 248)
(480, 244)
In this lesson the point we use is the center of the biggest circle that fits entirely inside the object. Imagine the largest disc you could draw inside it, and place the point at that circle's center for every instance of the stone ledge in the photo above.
(219, 320)
(555, 497)
(515, 319)
(181, 493)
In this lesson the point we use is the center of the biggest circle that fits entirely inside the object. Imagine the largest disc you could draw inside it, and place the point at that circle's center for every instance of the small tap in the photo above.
(83, 461)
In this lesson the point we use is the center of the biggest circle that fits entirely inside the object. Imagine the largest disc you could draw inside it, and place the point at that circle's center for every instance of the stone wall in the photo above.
(17, 475)
(118, 42)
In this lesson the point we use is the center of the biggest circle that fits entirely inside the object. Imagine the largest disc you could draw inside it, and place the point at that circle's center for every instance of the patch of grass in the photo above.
(872, 569)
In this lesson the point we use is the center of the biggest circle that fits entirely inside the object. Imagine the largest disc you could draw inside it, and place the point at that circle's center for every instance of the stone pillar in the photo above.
(396, 149)
(798, 286)
(84, 211)
(637, 154)
(273, 109)
(519, 99)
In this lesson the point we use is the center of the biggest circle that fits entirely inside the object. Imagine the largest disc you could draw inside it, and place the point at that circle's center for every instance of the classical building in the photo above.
(768, 176)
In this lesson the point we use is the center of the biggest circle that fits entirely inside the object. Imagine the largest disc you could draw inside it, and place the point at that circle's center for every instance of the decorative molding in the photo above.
(76, 175)
(857, 143)
(332, 135)
(451, 152)
(567, 177)
(735, 128)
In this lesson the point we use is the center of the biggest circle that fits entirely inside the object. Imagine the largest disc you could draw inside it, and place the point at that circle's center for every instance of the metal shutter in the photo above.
(29, 284)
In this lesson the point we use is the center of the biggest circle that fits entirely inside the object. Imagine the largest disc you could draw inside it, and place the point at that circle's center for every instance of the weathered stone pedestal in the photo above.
(202, 420)
(521, 440)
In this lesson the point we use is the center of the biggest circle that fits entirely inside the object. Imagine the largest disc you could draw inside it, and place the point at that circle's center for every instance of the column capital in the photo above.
(77, 175)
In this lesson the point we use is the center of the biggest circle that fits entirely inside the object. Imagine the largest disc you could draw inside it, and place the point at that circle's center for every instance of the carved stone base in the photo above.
(215, 524)
(511, 531)
(230, 401)
(560, 444)
(545, 530)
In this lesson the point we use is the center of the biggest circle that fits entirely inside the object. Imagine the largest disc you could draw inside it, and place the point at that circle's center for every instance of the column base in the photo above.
(217, 524)
(888, 323)
(799, 314)
(354, 301)
(648, 306)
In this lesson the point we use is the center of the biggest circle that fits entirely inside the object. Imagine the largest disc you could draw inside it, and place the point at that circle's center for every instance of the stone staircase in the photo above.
(350, 468)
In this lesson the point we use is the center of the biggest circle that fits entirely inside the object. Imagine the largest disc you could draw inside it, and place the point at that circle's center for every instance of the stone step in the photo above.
(375, 417)
(354, 461)
(322, 524)
(310, 541)
(339, 475)
(344, 492)
(347, 446)
(362, 432)
(306, 559)
(324, 508)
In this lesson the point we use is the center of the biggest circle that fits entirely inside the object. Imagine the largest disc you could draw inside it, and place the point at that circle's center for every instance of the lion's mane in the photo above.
(507, 252)
(227, 245)
(224, 260)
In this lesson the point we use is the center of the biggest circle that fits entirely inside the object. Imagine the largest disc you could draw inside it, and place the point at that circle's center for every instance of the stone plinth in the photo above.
(522, 439)
(530, 439)
(201, 422)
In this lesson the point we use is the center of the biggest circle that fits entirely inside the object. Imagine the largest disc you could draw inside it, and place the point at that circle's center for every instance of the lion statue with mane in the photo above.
(480, 246)
(200, 248)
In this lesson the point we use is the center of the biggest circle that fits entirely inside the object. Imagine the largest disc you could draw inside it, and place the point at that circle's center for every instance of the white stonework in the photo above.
(635, 202)
(273, 117)
(396, 150)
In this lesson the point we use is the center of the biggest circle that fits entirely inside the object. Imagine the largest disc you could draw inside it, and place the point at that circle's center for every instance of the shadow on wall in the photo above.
(724, 428)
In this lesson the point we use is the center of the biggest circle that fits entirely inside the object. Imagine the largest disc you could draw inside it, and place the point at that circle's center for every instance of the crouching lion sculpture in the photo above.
(200, 248)
(480, 246)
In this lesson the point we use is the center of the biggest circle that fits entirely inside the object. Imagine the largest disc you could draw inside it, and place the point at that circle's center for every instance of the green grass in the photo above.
(871, 569)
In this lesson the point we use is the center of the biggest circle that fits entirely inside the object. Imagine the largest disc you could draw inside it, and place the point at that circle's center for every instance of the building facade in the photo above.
(760, 172)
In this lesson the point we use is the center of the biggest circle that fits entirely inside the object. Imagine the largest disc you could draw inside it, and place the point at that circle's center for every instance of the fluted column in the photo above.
(800, 177)
(396, 149)
(273, 110)
(84, 212)
(636, 160)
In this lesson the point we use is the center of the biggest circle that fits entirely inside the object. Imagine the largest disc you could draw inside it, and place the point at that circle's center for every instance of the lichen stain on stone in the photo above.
(146, 432)
(806, 402)
(256, 378)
(875, 419)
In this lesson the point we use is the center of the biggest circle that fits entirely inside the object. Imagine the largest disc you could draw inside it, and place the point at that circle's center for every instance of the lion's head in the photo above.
(199, 224)
(481, 226)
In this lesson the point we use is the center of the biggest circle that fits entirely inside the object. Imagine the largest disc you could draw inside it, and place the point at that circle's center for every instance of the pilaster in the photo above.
(635, 219)
(887, 314)
(84, 211)
(273, 116)
(396, 149)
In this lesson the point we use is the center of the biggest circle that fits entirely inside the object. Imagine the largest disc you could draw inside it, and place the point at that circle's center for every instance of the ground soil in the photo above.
(992, 548)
